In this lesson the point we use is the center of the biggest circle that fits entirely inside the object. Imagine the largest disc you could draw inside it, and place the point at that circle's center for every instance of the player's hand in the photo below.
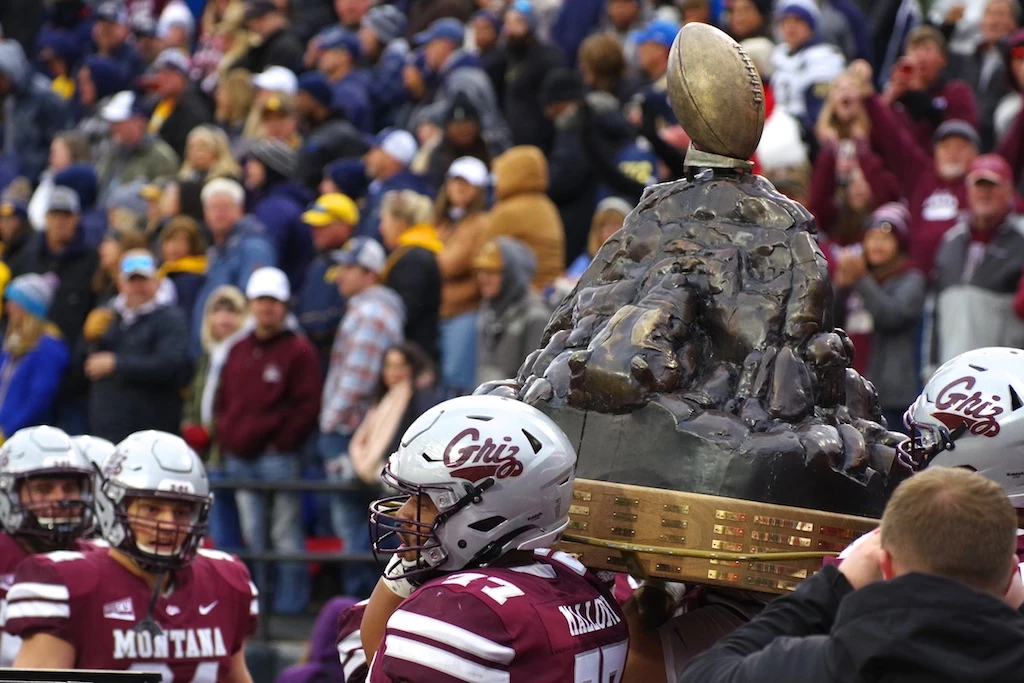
(861, 564)
(100, 365)
(397, 583)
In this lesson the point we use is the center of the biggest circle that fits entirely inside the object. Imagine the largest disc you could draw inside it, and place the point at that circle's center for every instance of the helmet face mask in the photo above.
(148, 474)
(46, 489)
(499, 474)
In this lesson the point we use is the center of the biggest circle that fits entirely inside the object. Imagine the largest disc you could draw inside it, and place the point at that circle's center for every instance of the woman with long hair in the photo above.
(461, 217)
(207, 156)
(33, 358)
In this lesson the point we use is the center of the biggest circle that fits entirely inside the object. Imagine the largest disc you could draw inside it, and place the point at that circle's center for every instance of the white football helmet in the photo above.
(971, 414)
(500, 473)
(94, 448)
(152, 464)
(45, 452)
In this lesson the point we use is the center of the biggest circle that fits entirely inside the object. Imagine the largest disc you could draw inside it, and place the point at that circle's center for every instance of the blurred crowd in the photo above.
(285, 228)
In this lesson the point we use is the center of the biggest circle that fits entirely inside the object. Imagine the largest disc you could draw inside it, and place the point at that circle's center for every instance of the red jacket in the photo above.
(269, 395)
(949, 99)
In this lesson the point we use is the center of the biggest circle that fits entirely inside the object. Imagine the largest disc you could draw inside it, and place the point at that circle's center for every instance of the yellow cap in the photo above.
(278, 104)
(330, 208)
(489, 258)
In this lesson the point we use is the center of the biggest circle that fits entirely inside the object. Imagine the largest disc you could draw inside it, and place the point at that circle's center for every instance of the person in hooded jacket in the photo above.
(923, 599)
(464, 136)
(513, 316)
(327, 134)
(524, 211)
(529, 60)
(277, 201)
(32, 113)
(82, 179)
(98, 79)
(384, 50)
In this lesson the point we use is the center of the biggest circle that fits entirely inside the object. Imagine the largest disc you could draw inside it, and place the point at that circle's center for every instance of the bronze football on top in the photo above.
(715, 92)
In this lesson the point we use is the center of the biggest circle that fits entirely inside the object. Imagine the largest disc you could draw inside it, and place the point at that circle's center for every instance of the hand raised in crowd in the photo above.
(861, 562)
(850, 268)
(100, 365)
(97, 323)
(862, 73)
(955, 13)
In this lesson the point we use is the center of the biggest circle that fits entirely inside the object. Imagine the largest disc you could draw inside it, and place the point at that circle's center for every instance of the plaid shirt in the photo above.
(372, 324)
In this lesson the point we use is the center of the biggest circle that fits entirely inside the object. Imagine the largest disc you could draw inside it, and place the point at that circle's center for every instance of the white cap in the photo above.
(278, 79)
(268, 282)
(470, 169)
(119, 108)
(400, 145)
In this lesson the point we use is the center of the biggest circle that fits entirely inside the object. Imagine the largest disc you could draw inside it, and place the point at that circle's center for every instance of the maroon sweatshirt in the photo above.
(934, 203)
(922, 112)
(269, 395)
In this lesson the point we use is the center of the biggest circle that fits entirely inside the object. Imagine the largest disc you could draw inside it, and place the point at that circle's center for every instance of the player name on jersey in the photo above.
(590, 616)
(178, 643)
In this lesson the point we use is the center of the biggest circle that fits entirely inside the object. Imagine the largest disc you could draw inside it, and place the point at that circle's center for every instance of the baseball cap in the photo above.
(365, 252)
(658, 31)
(278, 104)
(64, 199)
(268, 282)
(957, 127)
(400, 145)
(448, 28)
(111, 11)
(341, 40)
(254, 9)
(277, 78)
(121, 107)
(138, 262)
(316, 84)
(332, 207)
(991, 168)
(10, 207)
(470, 169)
(172, 58)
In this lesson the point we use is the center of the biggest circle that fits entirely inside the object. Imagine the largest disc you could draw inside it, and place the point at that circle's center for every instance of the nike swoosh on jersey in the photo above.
(206, 609)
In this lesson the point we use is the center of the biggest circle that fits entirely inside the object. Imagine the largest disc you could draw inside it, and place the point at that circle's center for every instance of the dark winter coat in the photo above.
(152, 368)
(331, 139)
(280, 210)
(320, 307)
(191, 110)
(525, 70)
(911, 629)
(278, 49)
(415, 276)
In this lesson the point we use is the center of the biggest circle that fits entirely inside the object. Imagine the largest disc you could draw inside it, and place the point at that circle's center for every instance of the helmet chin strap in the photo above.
(148, 624)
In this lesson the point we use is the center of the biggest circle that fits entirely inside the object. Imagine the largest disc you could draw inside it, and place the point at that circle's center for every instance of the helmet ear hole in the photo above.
(1015, 401)
(485, 525)
(535, 443)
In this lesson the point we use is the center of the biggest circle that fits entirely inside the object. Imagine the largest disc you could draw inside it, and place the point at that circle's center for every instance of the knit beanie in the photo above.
(387, 21)
(32, 292)
(806, 10)
(896, 217)
(276, 156)
(524, 9)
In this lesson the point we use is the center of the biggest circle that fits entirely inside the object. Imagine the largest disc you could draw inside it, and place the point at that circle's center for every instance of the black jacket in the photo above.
(914, 629)
(525, 70)
(153, 366)
(279, 49)
(416, 278)
(192, 110)
(74, 269)
(331, 139)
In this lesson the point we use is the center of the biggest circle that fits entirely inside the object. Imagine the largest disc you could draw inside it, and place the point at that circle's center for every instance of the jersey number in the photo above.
(500, 592)
(206, 672)
(602, 664)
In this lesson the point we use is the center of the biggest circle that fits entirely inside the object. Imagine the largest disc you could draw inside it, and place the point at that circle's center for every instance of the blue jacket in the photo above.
(320, 307)
(351, 95)
(33, 384)
(369, 223)
(246, 249)
(280, 209)
(387, 89)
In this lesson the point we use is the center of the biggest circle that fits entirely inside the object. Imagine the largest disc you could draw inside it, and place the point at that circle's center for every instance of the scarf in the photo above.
(161, 113)
(189, 264)
(422, 235)
(374, 435)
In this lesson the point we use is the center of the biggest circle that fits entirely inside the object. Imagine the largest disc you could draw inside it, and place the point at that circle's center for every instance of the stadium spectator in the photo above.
(461, 216)
(108, 271)
(978, 266)
(233, 99)
(373, 322)
(513, 316)
(183, 262)
(804, 66)
(98, 79)
(224, 318)
(81, 177)
(277, 46)
(985, 69)
(384, 49)
(608, 217)
(132, 153)
(919, 92)
(487, 27)
(463, 136)
(339, 54)
(139, 365)
(66, 149)
(387, 167)
(332, 218)
(884, 308)
(749, 19)
(239, 243)
(33, 114)
(110, 38)
(57, 53)
(273, 118)
(422, 15)
(523, 210)
(602, 66)
(942, 562)
(265, 407)
(458, 71)
(406, 226)
(528, 60)
(277, 201)
(179, 107)
(33, 357)
(144, 36)
(15, 231)
(652, 47)
(327, 134)
(207, 156)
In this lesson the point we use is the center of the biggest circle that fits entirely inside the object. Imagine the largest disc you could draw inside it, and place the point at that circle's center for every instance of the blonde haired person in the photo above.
(208, 155)
(407, 230)
(233, 100)
(33, 358)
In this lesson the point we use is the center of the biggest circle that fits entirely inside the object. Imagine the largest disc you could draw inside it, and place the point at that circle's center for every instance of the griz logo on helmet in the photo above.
(955, 407)
(114, 464)
(474, 461)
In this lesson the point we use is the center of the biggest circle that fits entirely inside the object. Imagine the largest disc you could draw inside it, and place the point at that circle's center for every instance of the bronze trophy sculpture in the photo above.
(697, 353)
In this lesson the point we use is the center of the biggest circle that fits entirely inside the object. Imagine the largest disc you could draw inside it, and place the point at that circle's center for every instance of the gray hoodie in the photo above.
(32, 113)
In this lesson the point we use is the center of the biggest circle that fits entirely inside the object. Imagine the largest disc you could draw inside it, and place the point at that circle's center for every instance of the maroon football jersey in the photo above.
(548, 621)
(350, 643)
(93, 602)
(11, 554)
